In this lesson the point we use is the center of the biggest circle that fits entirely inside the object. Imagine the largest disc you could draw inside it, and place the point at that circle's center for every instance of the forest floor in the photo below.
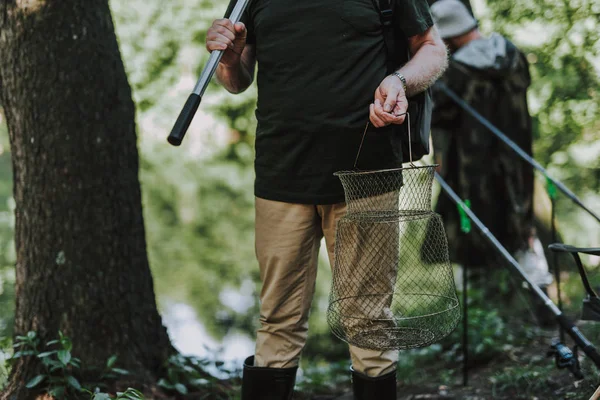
(523, 369)
(522, 372)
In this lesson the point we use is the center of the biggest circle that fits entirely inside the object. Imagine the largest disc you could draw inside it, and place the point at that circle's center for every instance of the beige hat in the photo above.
(452, 18)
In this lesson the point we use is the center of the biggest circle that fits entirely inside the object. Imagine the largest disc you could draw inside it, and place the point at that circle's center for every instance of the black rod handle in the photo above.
(185, 118)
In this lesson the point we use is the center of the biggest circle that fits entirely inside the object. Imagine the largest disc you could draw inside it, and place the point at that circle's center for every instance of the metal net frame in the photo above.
(392, 286)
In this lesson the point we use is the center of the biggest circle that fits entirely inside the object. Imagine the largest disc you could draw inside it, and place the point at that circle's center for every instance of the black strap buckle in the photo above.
(386, 16)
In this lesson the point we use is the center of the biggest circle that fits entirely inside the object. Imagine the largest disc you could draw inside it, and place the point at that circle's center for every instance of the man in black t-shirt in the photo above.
(321, 77)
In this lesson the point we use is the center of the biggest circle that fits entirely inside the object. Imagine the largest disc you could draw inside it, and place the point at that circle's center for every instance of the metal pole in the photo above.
(561, 331)
(515, 147)
(191, 105)
(215, 56)
(587, 347)
(465, 343)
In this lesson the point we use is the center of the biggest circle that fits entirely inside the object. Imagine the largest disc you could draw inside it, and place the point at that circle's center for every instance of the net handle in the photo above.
(409, 141)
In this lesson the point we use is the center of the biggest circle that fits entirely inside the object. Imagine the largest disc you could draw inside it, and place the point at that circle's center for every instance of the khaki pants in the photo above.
(288, 238)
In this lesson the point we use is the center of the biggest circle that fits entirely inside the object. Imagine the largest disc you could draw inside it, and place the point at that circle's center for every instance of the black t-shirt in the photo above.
(319, 63)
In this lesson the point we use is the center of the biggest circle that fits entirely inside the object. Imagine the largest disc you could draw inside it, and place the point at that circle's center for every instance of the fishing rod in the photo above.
(515, 147)
(564, 357)
(191, 105)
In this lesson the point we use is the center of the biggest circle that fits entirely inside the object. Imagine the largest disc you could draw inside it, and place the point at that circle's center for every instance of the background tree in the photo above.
(81, 264)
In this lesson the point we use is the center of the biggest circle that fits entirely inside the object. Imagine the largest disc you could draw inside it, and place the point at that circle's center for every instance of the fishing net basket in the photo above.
(392, 286)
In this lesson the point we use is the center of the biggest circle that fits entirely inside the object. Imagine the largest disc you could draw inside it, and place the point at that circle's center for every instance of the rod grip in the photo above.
(185, 118)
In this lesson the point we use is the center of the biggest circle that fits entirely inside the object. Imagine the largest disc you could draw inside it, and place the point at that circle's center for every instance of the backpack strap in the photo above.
(386, 13)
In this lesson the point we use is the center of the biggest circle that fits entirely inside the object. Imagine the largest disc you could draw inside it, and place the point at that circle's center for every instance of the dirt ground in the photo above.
(523, 373)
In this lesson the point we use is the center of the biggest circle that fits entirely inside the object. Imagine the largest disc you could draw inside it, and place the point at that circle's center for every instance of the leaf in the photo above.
(66, 344)
(120, 371)
(23, 353)
(101, 396)
(64, 357)
(111, 361)
(133, 394)
(47, 353)
(47, 361)
(35, 381)
(31, 335)
(53, 364)
(163, 383)
(73, 382)
(200, 382)
(58, 392)
(180, 387)
(50, 343)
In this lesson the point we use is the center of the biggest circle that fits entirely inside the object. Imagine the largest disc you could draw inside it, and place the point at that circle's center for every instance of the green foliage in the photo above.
(323, 377)
(522, 381)
(7, 245)
(188, 374)
(201, 235)
(562, 43)
(129, 394)
(60, 367)
(198, 199)
(57, 361)
(488, 336)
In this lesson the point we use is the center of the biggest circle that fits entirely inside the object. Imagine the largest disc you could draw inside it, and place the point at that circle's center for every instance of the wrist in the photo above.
(402, 80)
(230, 64)
(231, 60)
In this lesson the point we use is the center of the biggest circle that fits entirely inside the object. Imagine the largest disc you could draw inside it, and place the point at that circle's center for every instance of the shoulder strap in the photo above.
(385, 8)
(386, 14)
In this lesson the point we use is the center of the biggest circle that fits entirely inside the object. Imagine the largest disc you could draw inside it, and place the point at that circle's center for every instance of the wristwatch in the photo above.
(402, 79)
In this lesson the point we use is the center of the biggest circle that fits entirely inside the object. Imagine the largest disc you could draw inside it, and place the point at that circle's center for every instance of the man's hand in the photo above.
(390, 103)
(224, 35)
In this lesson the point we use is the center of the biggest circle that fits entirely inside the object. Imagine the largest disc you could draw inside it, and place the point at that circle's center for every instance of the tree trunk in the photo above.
(81, 251)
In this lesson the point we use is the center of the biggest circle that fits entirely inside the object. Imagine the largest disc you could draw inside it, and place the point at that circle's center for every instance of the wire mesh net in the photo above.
(392, 286)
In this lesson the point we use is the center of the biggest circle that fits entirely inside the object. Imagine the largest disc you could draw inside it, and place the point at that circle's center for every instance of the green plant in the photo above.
(129, 394)
(523, 380)
(58, 364)
(324, 377)
(110, 372)
(60, 367)
(186, 374)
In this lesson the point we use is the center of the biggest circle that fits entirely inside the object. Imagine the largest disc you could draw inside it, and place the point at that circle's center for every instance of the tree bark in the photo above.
(81, 251)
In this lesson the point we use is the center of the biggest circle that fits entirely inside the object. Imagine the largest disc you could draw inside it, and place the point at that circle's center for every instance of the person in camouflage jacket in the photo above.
(492, 76)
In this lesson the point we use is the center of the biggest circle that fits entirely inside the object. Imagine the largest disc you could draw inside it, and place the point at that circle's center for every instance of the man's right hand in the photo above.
(224, 35)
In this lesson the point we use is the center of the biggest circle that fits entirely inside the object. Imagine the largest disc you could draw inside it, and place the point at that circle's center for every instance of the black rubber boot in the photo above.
(376, 388)
(261, 383)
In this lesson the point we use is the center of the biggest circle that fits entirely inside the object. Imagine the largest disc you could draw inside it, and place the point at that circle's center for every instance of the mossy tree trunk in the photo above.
(81, 251)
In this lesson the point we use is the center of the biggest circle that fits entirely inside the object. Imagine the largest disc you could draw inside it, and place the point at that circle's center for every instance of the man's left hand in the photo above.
(390, 103)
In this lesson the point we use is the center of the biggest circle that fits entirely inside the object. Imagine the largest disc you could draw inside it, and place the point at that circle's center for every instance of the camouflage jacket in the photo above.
(492, 76)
